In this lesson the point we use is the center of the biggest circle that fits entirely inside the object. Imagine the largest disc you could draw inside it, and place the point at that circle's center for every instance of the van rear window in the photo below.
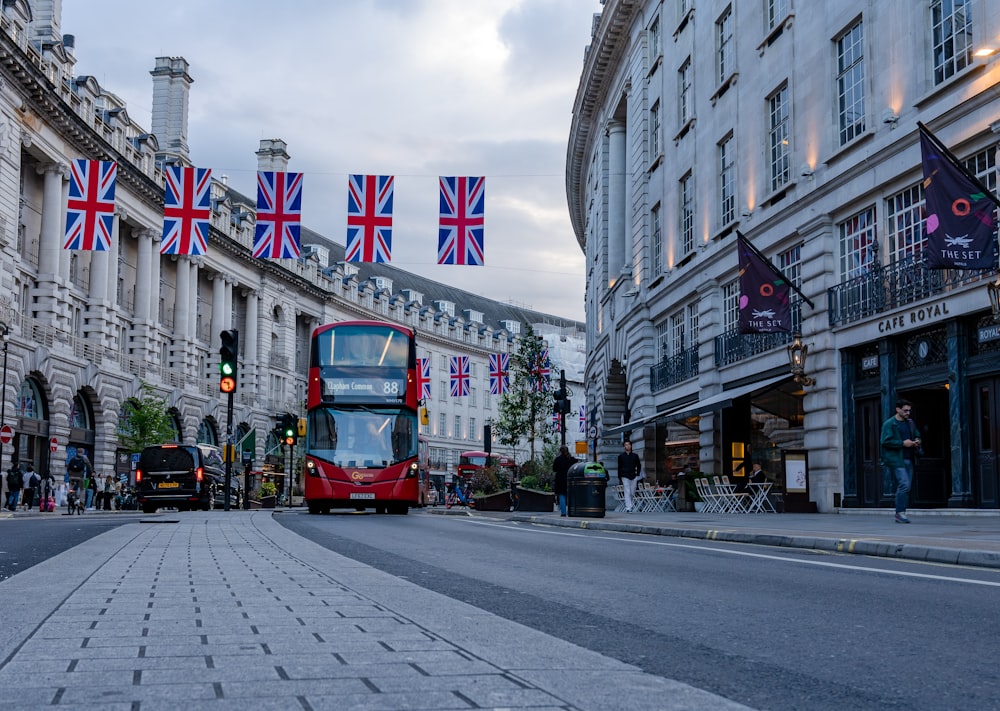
(166, 459)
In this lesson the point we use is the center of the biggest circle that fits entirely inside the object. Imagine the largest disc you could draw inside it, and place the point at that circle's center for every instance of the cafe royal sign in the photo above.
(927, 314)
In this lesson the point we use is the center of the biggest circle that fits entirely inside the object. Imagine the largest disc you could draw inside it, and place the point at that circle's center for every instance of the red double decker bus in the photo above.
(362, 437)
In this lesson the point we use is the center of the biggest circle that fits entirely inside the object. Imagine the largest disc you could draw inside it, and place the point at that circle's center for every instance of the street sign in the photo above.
(53, 444)
(592, 432)
(6, 434)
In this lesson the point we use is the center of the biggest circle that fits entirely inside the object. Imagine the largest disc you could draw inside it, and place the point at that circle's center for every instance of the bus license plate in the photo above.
(362, 496)
(168, 485)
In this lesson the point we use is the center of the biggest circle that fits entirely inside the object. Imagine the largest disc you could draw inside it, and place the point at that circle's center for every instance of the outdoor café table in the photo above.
(759, 503)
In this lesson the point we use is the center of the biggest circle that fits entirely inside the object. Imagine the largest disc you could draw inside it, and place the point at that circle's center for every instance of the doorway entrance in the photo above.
(932, 472)
(986, 443)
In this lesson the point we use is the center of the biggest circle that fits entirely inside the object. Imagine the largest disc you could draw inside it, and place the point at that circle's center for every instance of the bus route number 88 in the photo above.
(390, 388)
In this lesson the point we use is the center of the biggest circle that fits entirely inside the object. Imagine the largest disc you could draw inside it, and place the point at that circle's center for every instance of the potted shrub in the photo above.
(486, 492)
(534, 493)
(267, 495)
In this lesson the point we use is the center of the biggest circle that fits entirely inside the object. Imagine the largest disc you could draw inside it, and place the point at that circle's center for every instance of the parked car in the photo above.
(179, 476)
(235, 491)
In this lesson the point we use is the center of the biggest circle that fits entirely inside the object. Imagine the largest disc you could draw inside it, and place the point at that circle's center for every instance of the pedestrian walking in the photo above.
(29, 482)
(561, 467)
(629, 468)
(47, 493)
(901, 445)
(109, 492)
(90, 490)
(15, 481)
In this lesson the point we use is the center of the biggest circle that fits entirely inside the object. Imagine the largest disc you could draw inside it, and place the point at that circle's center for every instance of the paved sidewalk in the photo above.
(962, 536)
(229, 610)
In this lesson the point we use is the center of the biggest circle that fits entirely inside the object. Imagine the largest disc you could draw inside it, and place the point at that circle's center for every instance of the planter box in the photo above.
(266, 502)
(534, 500)
(500, 501)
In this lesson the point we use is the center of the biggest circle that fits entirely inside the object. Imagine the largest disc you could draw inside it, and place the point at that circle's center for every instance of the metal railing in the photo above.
(675, 369)
(733, 346)
(886, 288)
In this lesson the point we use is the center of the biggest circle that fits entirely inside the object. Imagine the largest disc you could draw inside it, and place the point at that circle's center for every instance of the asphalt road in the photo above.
(770, 628)
(28, 540)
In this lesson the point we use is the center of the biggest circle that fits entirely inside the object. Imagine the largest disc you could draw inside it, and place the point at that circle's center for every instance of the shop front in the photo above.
(950, 373)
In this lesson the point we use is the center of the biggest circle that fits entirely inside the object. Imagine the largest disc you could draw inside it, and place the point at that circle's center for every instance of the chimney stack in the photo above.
(171, 89)
(272, 155)
(45, 18)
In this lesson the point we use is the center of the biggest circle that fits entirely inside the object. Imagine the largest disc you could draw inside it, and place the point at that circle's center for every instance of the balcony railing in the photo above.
(886, 288)
(733, 346)
(675, 369)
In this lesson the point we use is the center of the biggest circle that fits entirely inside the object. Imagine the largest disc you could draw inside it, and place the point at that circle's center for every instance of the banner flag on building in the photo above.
(279, 215)
(764, 303)
(583, 417)
(459, 376)
(540, 372)
(961, 212)
(424, 378)
(186, 210)
(499, 373)
(556, 422)
(90, 209)
(462, 221)
(369, 218)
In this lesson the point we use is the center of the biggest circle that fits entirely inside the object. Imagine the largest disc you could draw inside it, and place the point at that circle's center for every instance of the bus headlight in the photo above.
(412, 471)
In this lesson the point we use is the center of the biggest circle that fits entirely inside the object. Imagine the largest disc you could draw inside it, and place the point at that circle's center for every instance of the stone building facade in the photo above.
(795, 124)
(86, 329)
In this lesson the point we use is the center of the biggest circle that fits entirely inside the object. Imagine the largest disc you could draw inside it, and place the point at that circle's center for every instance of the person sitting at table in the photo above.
(757, 475)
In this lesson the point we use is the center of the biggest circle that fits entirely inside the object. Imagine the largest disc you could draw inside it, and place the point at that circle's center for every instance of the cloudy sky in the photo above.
(411, 88)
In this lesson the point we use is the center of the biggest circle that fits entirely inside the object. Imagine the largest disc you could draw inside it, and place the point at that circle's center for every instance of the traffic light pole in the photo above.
(230, 448)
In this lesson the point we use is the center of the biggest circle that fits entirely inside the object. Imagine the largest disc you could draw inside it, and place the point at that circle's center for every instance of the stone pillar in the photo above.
(192, 325)
(227, 304)
(155, 258)
(143, 274)
(99, 273)
(111, 293)
(616, 200)
(182, 299)
(218, 308)
(250, 346)
(50, 239)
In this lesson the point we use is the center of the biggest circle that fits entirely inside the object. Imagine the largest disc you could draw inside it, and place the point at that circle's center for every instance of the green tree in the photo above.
(525, 409)
(146, 421)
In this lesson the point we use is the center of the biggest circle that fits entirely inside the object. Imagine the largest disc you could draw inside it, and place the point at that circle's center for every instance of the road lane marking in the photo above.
(537, 528)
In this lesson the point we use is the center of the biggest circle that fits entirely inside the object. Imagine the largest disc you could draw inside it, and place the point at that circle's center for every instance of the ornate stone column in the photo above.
(50, 242)
(143, 274)
(155, 259)
(218, 309)
(617, 162)
(250, 345)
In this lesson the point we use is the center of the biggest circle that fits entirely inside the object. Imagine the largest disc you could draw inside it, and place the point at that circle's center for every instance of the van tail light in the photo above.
(138, 475)
(199, 474)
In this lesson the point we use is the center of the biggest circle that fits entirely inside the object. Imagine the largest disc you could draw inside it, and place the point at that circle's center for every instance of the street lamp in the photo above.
(797, 352)
(5, 334)
(994, 289)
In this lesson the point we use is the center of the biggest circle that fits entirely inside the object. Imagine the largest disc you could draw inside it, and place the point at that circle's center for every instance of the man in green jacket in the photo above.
(900, 441)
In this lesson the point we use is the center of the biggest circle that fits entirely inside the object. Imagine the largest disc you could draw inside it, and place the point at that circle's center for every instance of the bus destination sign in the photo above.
(366, 389)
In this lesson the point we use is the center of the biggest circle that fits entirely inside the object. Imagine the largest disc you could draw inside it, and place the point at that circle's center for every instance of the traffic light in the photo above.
(424, 417)
(289, 427)
(561, 406)
(228, 352)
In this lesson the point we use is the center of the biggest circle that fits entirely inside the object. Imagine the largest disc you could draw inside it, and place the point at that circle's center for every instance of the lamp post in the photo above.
(797, 352)
(994, 290)
(5, 334)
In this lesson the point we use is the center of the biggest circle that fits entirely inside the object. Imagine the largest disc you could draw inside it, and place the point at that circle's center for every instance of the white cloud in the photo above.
(412, 88)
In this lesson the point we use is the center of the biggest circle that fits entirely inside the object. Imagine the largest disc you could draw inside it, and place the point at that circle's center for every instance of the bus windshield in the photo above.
(362, 345)
(362, 437)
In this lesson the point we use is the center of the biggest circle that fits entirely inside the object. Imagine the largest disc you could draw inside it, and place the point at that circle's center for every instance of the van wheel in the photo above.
(147, 509)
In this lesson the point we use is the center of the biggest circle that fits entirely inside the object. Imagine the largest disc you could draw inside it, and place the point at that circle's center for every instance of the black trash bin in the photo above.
(586, 483)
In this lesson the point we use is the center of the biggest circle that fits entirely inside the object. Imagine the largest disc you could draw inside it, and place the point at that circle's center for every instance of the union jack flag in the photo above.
(279, 206)
(556, 423)
(459, 376)
(583, 417)
(90, 210)
(461, 224)
(541, 371)
(369, 218)
(186, 210)
(499, 373)
(423, 378)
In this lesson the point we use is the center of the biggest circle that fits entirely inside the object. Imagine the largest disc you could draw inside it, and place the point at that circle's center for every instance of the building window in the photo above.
(686, 213)
(656, 237)
(654, 131)
(655, 39)
(443, 389)
(727, 181)
(724, 53)
(951, 37)
(731, 306)
(858, 245)
(677, 333)
(851, 83)
(904, 224)
(473, 433)
(472, 394)
(442, 425)
(692, 320)
(777, 121)
(458, 427)
(777, 11)
(790, 264)
(684, 92)
(662, 341)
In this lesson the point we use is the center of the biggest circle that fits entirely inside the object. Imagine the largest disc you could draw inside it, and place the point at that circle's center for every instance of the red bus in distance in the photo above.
(362, 444)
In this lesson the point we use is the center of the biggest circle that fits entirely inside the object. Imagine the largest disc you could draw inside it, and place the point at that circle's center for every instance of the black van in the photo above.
(180, 476)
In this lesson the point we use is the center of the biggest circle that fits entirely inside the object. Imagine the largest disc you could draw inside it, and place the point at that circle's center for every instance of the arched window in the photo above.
(175, 425)
(207, 434)
(30, 403)
(80, 415)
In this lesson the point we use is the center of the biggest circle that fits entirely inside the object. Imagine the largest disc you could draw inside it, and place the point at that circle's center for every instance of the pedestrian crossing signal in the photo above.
(227, 360)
